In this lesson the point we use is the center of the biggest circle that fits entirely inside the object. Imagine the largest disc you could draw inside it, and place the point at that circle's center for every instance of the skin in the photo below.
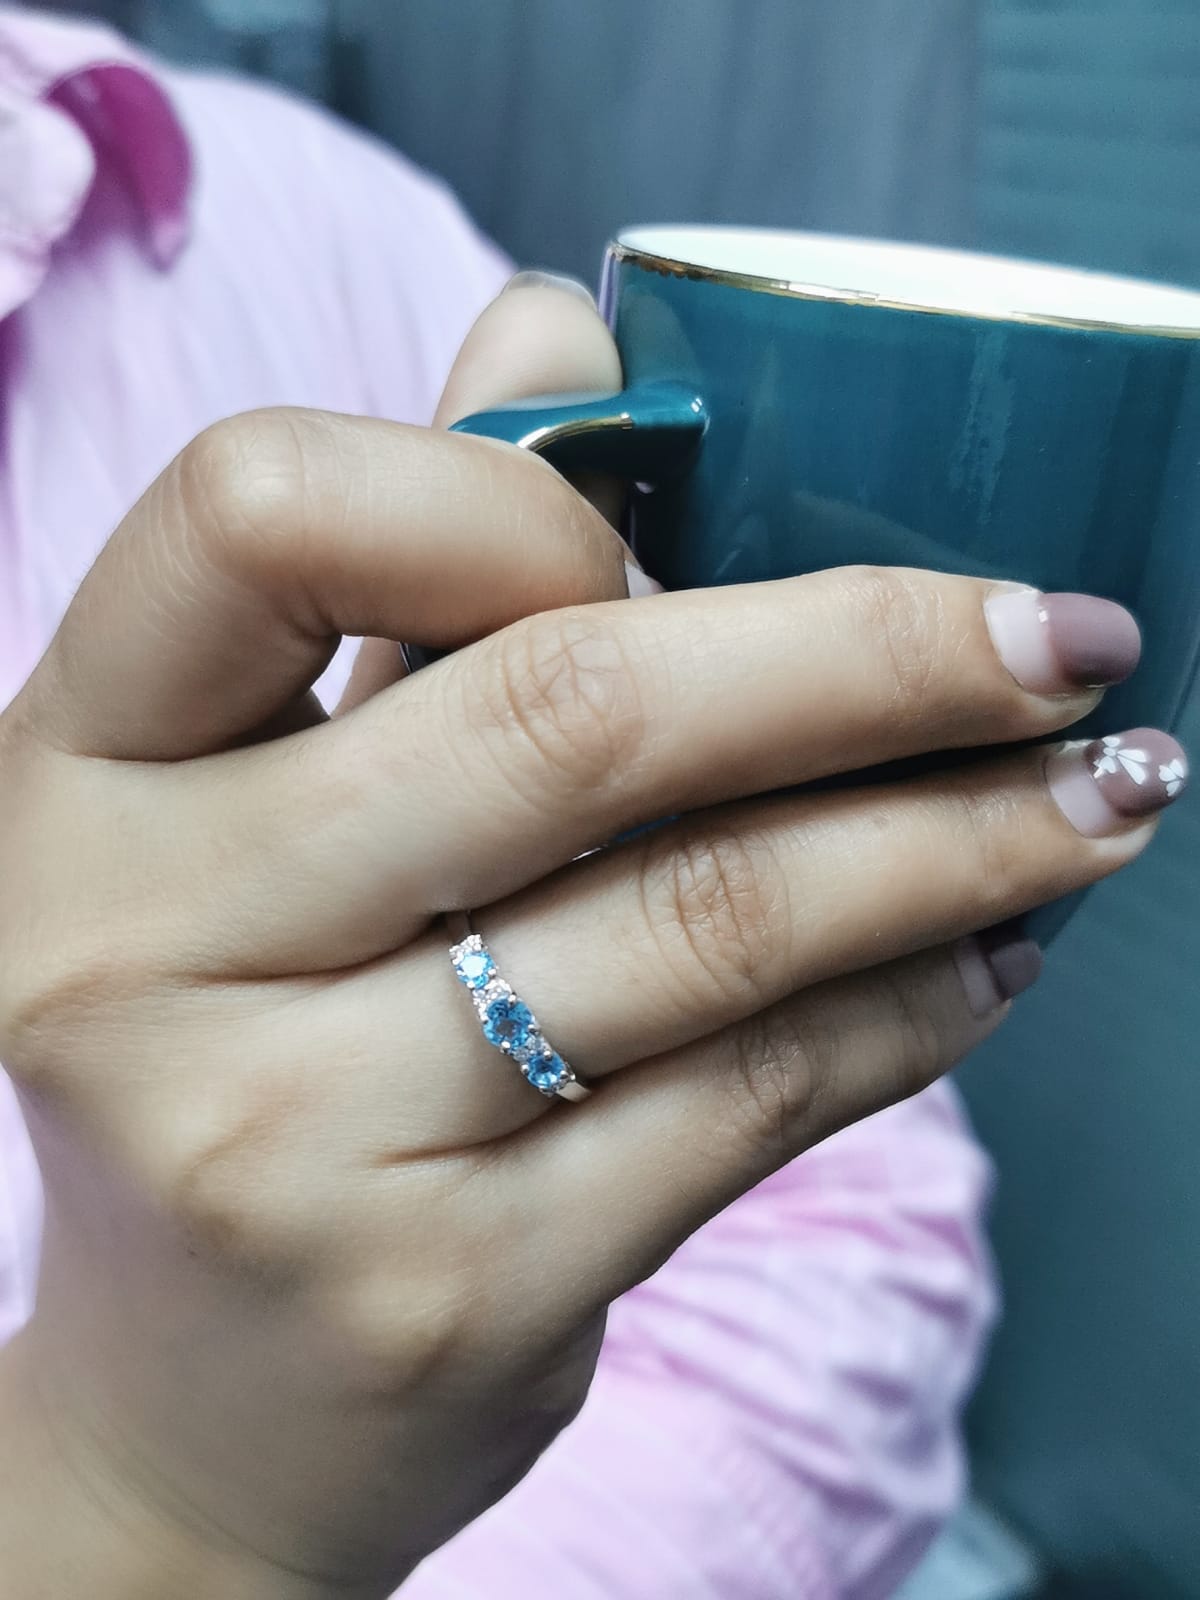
(322, 1275)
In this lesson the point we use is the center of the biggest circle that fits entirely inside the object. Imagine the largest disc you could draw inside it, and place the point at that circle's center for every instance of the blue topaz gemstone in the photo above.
(475, 968)
(547, 1072)
(508, 1024)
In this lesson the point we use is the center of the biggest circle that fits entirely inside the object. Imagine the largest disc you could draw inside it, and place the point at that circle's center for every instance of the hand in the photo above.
(322, 1272)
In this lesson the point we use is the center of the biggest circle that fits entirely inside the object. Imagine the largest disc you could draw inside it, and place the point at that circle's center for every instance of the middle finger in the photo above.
(489, 770)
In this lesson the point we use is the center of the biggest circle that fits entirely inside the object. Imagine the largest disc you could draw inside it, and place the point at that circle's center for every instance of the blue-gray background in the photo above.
(1059, 128)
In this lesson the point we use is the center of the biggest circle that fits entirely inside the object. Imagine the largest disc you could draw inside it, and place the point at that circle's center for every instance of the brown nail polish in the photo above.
(1057, 643)
(1102, 785)
(997, 965)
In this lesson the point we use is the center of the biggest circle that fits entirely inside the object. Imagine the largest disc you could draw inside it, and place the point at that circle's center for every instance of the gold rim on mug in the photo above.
(620, 250)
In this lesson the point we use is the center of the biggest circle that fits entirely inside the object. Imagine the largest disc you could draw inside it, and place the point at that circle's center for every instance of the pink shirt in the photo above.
(776, 1412)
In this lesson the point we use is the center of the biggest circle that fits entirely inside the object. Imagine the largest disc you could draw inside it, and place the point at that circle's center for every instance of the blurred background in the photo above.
(1065, 129)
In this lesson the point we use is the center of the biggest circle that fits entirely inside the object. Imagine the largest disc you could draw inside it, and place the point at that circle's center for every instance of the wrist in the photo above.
(70, 1523)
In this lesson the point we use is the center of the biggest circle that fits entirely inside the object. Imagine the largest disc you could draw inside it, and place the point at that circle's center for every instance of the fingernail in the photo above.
(1101, 785)
(1057, 643)
(997, 965)
(551, 280)
(640, 583)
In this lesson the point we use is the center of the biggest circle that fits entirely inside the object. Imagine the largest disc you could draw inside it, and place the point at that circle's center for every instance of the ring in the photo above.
(506, 1020)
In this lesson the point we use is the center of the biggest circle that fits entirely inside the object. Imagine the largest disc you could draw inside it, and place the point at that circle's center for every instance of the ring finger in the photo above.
(646, 947)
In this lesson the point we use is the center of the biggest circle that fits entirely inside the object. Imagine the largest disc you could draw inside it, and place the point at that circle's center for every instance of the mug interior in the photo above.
(917, 277)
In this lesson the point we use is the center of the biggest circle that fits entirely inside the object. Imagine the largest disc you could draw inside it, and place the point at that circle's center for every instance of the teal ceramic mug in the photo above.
(798, 401)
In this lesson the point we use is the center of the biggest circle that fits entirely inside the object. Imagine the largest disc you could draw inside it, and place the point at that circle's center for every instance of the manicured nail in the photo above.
(1060, 643)
(997, 965)
(640, 583)
(551, 280)
(1101, 785)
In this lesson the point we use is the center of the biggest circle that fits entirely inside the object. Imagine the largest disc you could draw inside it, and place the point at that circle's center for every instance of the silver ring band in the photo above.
(507, 1022)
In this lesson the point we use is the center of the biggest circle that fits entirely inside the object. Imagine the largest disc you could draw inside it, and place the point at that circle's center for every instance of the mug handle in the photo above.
(647, 433)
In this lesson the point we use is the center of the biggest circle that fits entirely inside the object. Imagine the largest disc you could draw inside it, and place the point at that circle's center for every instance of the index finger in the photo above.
(224, 593)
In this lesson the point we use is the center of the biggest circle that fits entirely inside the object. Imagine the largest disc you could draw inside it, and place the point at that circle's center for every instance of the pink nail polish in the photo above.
(1102, 785)
(996, 965)
(1060, 643)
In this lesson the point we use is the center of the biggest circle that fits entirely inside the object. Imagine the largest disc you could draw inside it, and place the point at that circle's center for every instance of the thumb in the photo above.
(541, 335)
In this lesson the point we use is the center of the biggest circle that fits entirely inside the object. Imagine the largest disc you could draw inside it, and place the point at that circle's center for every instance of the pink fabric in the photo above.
(776, 1412)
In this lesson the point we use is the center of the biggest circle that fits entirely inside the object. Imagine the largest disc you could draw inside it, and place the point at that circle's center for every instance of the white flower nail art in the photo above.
(1172, 775)
(1114, 758)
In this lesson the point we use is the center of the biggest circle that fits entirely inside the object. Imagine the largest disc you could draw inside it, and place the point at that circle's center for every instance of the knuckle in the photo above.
(802, 1070)
(54, 1003)
(780, 1072)
(996, 847)
(397, 1335)
(242, 481)
(236, 1203)
(59, 960)
(763, 1097)
(923, 1042)
(904, 620)
(561, 693)
(405, 1325)
(716, 903)
(230, 1222)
